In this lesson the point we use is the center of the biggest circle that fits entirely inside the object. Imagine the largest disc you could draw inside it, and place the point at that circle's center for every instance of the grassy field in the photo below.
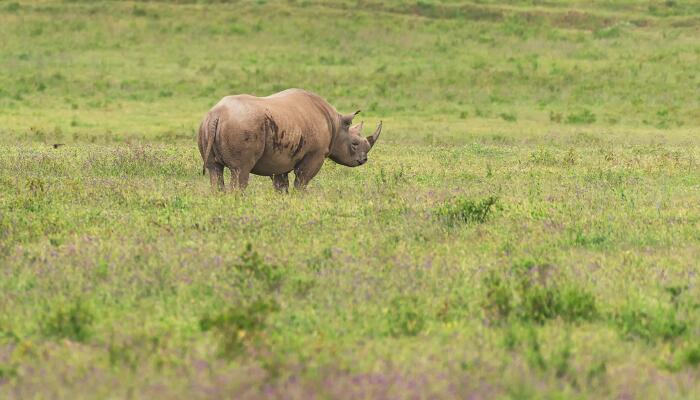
(528, 225)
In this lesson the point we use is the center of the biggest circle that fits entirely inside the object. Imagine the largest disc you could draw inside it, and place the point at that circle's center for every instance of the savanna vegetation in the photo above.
(527, 226)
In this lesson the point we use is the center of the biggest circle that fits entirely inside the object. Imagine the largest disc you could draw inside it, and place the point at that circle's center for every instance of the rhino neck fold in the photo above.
(334, 136)
(332, 121)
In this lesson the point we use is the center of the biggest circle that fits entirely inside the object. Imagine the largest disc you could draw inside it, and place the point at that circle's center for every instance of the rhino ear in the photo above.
(347, 118)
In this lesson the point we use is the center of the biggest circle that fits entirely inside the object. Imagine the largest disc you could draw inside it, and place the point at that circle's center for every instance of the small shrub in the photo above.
(452, 308)
(235, 29)
(253, 266)
(139, 12)
(72, 322)
(322, 261)
(466, 211)
(498, 302)
(691, 356)
(649, 323)
(7, 372)
(12, 7)
(510, 117)
(534, 352)
(583, 117)
(510, 337)
(528, 294)
(562, 359)
(131, 351)
(239, 326)
(302, 285)
(555, 117)
(675, 292)
(570, 157)
(589, 240)
(577, 304)
(539, 303)
(543, 157)
(664, 119)
(596, 371)
(405, 318)
(607, 33)
(391, 178)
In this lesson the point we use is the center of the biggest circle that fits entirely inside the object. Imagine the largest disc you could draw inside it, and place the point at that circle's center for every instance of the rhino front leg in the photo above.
(306, 169)
(281, 182)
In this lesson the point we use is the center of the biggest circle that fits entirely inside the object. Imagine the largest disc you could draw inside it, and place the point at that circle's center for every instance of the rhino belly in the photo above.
(283, 150)
(269, 165)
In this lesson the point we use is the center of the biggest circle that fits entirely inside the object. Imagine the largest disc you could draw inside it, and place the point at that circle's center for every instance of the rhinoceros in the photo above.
(293, 130)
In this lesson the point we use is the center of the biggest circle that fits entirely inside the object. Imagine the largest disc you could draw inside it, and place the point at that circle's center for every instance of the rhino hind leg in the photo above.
(240, 163)
(216, 176)
(239, 178)
(281, 182)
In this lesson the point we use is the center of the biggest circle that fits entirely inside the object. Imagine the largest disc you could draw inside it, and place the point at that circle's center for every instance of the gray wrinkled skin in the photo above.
(293, 130)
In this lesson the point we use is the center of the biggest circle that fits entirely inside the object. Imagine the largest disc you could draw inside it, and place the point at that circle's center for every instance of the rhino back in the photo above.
(288, 125)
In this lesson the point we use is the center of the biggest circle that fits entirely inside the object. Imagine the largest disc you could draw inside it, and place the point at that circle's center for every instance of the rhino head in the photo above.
(349, 147)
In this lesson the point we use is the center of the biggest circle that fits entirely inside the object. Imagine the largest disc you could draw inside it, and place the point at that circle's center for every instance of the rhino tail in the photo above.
(211, 131)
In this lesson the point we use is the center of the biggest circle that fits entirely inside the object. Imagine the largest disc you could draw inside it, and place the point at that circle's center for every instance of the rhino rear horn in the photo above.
(372, 139)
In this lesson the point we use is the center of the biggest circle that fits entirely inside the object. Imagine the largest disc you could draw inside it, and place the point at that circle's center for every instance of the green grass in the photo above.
(527, 226)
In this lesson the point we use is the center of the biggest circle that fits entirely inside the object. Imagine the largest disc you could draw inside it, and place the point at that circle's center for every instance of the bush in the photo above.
(498, 301)
(583, 117)
(577, 304)
(555, 117)
(607, 33)
(691, 356)
(543, 157)
(239, 326)
(405, 318)
(528, 295)
(510, 117)
(12, 7)
(539, 303)
(649, 323)
(253, 266)
(72, 322)
(466, 211)
(7, 372)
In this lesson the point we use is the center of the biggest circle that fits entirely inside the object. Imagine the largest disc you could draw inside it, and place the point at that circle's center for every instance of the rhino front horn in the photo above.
(372, 139)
